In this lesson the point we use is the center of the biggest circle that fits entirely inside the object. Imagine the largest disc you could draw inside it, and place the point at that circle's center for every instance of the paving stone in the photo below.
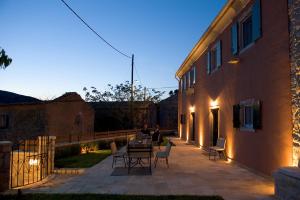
(190, 173)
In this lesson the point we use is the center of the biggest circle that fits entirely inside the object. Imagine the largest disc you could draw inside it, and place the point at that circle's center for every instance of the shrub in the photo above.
(66, 151)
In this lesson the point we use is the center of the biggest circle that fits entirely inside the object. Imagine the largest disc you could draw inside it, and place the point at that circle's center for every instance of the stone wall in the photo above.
(5, 149)
(294, 15)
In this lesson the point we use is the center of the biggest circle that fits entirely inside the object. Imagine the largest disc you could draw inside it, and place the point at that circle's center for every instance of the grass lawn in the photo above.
(82, 160)
(103, 197)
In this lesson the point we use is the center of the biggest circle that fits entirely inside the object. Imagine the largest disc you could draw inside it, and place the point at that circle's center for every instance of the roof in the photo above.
(13, 98)
(231, 9)
(68, 96)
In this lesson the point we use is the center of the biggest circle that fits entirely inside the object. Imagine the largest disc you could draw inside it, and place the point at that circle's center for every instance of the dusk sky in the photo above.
(54, 53)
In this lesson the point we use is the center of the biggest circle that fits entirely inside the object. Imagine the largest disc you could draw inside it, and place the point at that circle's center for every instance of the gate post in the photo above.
(51, 154)
(5, 157)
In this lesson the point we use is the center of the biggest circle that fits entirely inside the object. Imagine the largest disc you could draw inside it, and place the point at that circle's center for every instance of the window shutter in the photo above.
(236, 116)
(257, 119)
(219, 53)
(234, 38)
(194, 74)
(256, 20)
(208, 66)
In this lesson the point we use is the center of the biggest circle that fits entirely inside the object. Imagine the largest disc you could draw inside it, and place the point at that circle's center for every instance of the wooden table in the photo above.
(138, 150)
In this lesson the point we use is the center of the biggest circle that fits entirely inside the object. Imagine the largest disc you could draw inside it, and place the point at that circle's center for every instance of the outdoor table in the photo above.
(138, 150)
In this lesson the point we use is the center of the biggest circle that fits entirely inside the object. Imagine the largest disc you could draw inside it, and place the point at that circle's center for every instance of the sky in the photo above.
(54, 53)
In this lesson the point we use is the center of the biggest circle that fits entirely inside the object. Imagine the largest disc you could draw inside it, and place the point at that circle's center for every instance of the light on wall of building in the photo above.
(214, 104)
(192, 109)
(234, 61)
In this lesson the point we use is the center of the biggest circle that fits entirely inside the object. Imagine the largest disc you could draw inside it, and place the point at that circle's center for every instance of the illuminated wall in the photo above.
(295, 75)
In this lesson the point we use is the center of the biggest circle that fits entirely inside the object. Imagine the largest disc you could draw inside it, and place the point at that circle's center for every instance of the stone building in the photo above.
(110, 116)
(241, 82)
(24, 117)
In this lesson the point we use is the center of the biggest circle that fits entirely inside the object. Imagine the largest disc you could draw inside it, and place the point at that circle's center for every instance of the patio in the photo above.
(190, 173)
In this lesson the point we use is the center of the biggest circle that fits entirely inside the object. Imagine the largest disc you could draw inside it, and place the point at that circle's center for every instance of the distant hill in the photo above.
(13, 98)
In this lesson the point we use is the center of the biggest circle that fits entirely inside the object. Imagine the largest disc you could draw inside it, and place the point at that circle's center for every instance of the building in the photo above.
(23, 117)
(241, 82)
(167, 112)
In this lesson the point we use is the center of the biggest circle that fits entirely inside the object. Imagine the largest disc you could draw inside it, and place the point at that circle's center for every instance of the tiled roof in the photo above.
(13, 98)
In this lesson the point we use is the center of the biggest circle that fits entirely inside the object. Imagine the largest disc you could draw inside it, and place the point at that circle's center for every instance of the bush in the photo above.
(67, 151)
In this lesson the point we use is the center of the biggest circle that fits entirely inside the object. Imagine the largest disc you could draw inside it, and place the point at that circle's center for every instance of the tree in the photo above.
(122, 92)
(172, 93)
(4, 60)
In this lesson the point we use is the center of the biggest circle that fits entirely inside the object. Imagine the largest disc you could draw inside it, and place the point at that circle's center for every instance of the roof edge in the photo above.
(230, 10)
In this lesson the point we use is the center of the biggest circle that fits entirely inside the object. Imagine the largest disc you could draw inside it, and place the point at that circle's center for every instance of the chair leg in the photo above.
(209, 154)
(124, 159)
(113, 162)
(155, 162)
(225, 156)
(167, 161)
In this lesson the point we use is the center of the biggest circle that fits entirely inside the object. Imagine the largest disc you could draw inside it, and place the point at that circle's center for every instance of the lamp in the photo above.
(234, 61)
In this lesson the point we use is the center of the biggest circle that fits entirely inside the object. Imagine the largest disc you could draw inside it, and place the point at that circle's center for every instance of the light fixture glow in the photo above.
(214, 104)
(33, 162)
(234, 61)
(192, 109)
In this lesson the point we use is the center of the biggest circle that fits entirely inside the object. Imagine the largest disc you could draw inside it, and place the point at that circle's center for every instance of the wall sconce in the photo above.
(192, 109)
(214, 104)
(234, 61)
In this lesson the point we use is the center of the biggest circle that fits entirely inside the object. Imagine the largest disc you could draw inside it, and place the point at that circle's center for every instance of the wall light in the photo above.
(192, 109)
(234, 61)
(214, 104)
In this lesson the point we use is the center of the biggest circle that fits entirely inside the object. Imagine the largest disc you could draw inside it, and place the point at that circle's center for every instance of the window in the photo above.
(234, 39)
(214, 57)
(4, 121)
(247, 115)
(184, 83)
(247, 31)
(188, 82)
(194, 69)
(192, 76)
(181, 84)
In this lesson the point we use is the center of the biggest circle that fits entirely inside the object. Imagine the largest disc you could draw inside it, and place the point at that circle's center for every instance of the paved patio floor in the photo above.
(190, 173)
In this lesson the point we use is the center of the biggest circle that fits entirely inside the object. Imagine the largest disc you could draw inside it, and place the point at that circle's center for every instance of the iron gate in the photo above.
(31, 161)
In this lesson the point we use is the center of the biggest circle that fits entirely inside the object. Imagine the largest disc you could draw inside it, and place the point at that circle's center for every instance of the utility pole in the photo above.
(145, 93)
(132, 65)
(131, 98)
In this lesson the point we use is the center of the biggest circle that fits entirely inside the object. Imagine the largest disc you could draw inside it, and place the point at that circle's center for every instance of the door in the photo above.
(215, 126)
(192, 132)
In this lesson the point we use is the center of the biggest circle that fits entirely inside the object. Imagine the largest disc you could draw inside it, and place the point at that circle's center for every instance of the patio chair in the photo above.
(117, 155)
(163, 154)
(218, 149)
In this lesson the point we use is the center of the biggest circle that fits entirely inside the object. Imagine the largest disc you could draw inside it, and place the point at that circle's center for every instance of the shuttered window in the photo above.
(247, 115)
(256, 20)
(234, 39)
(219, 53)
(208, 64)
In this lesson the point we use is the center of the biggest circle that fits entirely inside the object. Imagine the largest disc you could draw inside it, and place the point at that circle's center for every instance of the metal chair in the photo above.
(218, 149)
(117, 155)
(163, 154)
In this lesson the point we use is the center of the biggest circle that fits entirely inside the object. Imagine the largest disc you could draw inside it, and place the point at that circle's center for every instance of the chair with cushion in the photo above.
(117, 155)
(163, 154)
(218, 149)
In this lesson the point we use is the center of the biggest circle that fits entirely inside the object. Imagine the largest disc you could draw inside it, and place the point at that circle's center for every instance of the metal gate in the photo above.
(31, 161)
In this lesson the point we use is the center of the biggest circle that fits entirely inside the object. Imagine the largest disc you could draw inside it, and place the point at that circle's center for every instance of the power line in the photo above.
(85, 23)
(170, 87)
